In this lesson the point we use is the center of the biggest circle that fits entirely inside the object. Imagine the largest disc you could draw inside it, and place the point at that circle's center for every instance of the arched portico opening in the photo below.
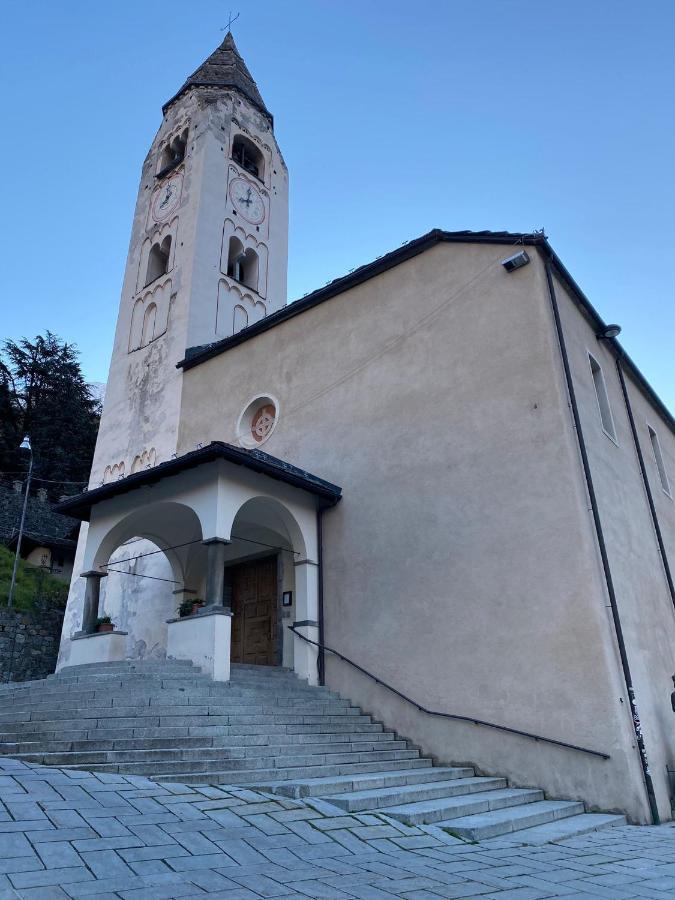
(266, 542)
(207, 512)
(139, 572)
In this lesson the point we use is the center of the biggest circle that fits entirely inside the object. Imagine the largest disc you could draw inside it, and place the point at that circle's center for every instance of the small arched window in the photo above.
(248, 156)
(158, 260)
(173, 153)
(149, 319)
(239, 319)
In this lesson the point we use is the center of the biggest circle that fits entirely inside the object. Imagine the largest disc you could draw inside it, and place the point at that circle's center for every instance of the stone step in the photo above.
(150, 684)
(480, 826)
(430, 812)
(331, 785)
(235, 724)
(242, 715)
(100, 730)
(205, 765)
(177, 748)
(196, 698)
(376, 799)
(301, 755)
(562, 829)
(263, 777)
(211, 738)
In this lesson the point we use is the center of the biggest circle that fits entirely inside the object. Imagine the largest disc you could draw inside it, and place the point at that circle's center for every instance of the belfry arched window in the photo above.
(172, 154)
(246, 154)
(158, 260)
(242, 265)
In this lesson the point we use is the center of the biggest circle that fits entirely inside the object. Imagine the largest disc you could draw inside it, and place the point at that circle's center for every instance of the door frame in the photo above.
(278, 637)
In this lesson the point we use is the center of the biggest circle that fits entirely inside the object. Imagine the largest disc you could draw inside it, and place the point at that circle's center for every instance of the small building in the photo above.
(440, 473)
(49, 538)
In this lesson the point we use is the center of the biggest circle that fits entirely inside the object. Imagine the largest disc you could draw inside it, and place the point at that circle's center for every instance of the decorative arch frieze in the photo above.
(144, 460)
(237, 308)
(114, 472)
(150, 315)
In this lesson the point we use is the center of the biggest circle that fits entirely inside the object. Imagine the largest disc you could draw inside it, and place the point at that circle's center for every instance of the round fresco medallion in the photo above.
(263, 423)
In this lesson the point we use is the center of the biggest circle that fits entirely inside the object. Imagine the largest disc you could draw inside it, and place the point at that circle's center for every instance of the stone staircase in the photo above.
(166, 720)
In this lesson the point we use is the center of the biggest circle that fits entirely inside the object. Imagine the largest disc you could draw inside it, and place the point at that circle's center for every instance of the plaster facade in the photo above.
(434, 394)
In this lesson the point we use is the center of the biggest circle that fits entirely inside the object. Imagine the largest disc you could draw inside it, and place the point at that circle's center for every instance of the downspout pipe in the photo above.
(609, 581)
(321, 659)
(645, 479)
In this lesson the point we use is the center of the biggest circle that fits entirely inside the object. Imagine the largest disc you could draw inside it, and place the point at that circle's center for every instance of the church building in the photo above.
(437, 485)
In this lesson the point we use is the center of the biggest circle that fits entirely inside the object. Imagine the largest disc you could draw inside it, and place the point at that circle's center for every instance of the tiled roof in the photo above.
(43, 524)
(255, 460)
(225, 68)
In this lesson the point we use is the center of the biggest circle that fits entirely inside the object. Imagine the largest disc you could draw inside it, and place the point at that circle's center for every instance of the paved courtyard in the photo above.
(77, 834)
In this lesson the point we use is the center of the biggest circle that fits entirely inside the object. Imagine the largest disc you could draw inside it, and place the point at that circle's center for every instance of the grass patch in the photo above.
(32, 584)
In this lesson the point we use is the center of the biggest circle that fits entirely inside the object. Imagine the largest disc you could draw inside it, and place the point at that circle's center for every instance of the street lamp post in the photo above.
(25, 445)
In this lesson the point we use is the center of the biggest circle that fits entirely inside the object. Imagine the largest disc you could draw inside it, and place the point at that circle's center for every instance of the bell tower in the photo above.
(207, 256)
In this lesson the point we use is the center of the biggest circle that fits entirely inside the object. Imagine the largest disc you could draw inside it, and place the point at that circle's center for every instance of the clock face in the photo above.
(247, 200)
(167, 198)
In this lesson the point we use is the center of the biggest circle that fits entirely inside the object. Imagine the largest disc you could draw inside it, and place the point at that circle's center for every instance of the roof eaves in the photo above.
(226, 86)
(80, 505)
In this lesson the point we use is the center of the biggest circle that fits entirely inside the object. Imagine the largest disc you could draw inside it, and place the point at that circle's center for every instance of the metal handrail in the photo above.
(445, 715)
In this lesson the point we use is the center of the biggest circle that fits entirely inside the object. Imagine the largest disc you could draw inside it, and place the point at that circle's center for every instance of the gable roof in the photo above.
(196, 355)
(224, 68)
(80, 505)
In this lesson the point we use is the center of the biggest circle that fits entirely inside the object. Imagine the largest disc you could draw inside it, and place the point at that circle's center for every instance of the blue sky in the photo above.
(393, 117)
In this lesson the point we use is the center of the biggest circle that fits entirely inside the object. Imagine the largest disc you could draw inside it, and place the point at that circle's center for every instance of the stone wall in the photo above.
(29, 642)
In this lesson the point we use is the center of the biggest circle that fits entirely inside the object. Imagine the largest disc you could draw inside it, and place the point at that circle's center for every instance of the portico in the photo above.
(239, 529)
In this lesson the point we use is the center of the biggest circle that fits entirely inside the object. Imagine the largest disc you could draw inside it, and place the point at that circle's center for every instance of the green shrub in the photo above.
(33, 584)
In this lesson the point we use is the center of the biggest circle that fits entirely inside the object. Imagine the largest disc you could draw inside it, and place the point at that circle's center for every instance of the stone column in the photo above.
(306, 619)
(215, 571)
(92, 594)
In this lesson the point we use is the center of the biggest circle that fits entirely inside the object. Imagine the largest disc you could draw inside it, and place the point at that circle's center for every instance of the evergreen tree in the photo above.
(43, 394)
(10, 423)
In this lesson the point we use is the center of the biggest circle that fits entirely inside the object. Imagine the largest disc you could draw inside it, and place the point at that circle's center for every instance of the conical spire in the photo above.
(225, 68)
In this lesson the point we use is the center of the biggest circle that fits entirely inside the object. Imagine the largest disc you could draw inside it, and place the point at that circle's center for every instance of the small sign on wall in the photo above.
(287, 598)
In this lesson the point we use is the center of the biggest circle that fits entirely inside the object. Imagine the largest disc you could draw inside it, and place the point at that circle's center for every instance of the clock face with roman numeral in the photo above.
(247, 200)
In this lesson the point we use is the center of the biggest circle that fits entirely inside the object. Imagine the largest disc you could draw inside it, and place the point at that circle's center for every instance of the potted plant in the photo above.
(197, 604)
(104, 625)
(185, 608)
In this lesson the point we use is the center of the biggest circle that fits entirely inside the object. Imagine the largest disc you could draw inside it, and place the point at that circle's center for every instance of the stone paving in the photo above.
(71, 834)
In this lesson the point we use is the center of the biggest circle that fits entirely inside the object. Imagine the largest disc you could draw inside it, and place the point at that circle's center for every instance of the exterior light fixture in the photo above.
(25, 445)
(517, 261)
(609, 331)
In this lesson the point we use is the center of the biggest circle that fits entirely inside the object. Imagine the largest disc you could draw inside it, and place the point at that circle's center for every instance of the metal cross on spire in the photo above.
(230, 22)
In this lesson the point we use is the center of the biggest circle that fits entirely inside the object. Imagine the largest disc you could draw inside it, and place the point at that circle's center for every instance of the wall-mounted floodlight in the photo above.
(25, 444)
(517, 261)
(609, 331)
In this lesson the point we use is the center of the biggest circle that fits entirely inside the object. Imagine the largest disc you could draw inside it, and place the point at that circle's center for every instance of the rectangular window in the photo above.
(658, 457)
(603, 399)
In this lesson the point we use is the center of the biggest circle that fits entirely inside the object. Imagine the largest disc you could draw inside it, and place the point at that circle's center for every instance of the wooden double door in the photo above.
(254, 612)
